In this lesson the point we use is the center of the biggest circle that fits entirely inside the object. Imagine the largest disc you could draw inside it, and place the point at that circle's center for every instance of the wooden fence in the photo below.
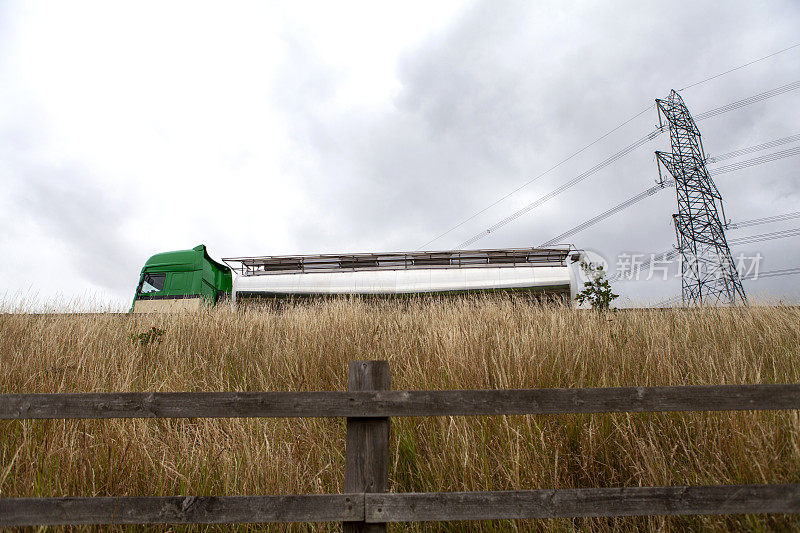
(368, 405)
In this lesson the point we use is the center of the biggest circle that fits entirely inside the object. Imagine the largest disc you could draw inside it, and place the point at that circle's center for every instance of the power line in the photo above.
(739, 67)
(668, 255)
(773, 273)
(515, 191)
(764, 220)
(671, 254)
(558, 190)
(766, 274)
(604, 215)
(714, 112)
(755, 161)
(637, 115)
(794, 232)
(755, 148)
(754, 276)
(653, 190)
(760, 97)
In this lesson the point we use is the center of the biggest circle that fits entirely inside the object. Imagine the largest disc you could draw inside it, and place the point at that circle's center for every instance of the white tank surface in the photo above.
(536, 271)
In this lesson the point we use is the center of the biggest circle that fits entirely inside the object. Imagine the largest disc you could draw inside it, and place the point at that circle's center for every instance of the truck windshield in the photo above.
(152, 283)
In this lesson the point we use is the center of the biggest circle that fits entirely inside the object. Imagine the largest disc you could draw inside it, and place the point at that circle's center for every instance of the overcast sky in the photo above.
(132, 129)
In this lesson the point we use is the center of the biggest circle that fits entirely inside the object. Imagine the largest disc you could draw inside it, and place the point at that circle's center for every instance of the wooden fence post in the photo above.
(367, 454)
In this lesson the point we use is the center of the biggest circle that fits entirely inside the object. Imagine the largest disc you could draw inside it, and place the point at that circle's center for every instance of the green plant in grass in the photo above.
(153, 335)
(597, 291)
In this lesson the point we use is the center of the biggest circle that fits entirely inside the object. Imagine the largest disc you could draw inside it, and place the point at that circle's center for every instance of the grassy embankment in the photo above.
(430, 345)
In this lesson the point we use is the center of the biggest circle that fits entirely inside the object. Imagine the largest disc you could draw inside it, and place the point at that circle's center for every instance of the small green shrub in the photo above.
(596, 291)
(153, 335)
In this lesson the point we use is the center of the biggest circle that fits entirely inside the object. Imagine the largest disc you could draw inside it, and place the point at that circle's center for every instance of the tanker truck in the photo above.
(187, 280)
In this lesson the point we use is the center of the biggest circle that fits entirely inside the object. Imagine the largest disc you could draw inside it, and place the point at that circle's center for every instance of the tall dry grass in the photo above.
(469, 343)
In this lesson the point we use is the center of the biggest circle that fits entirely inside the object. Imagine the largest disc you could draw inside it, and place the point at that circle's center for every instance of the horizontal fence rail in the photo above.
(412, 507)
(181, 510)
(368, 406)
(573, 503)
(399, 403)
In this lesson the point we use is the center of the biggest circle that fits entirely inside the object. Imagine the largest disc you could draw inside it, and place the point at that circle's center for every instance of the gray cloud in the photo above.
(506, 92)
(494, 98)
(65, 204)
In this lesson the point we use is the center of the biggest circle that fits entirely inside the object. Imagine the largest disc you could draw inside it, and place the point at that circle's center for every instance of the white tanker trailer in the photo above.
(187, 279)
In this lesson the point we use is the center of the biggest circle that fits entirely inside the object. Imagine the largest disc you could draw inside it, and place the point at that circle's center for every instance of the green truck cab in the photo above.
(184, 280)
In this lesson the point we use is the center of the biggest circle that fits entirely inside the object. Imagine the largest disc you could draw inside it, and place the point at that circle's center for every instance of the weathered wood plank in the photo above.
(624, 501)
(181, 510)
(595, 400)
(399, 403)
(367, 453)
(382, 507)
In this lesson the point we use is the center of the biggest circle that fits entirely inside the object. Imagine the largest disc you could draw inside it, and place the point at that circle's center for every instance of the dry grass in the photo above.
(494, 343)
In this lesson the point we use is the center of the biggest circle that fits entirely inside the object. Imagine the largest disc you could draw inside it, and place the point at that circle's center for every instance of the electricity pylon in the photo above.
(708, 272)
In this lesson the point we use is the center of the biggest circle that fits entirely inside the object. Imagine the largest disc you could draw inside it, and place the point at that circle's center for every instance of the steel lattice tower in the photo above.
(709, 274)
